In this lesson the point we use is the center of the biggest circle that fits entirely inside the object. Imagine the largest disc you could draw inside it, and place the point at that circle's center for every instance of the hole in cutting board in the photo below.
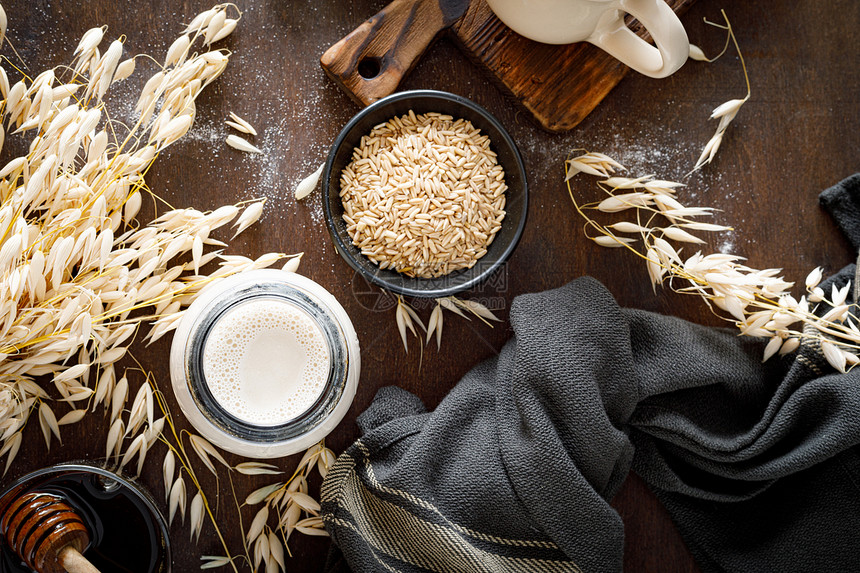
(369, 67)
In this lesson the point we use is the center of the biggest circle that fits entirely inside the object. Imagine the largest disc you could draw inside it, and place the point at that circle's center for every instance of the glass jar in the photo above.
(265, 363)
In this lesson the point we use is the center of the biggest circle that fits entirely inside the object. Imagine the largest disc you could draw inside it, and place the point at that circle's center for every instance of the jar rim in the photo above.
(228, 431)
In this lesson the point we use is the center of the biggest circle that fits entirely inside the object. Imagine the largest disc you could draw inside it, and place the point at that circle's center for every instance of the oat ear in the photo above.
(10, 449)
(434, 324)
(727, 111)
(249, 216)
(256, 527)
(261, 494)
(196, 516)
(214, 561)
(257, 468)
(3, 23)
(240, 124)
(241, 144)
(309, 183)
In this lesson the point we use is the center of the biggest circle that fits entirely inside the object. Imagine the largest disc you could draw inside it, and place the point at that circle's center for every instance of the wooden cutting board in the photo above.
(558, 85)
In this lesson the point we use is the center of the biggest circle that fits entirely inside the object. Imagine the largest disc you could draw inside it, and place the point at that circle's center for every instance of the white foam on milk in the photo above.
(266, 361)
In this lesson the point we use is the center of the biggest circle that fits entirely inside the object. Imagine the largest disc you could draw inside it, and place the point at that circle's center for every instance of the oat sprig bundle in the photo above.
(658, 228)
(81, 274)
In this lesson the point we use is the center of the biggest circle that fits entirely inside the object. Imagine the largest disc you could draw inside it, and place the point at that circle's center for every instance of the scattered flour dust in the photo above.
(728, 245)
(281, 165)
(664, 153)
(275, 172)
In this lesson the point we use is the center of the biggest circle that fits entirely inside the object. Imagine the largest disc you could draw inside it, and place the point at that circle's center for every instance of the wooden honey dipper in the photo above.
(47, 534)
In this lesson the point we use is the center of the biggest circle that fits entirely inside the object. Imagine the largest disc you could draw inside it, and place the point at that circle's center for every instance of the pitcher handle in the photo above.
(613, 36)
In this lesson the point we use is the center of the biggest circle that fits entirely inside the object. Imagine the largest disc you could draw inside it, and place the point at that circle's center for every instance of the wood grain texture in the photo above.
(74, 562)
(558, 85)
(372, 60)
(798, 134)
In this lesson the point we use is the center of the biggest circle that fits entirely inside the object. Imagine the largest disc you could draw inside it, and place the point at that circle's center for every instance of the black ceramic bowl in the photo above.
(516, 203)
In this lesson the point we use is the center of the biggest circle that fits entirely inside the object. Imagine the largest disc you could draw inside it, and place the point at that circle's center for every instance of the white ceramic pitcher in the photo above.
(601, 22)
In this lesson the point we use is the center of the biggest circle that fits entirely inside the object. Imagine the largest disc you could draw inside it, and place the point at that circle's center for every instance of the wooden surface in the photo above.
(558, 85)
(798, 134)
(371, 61)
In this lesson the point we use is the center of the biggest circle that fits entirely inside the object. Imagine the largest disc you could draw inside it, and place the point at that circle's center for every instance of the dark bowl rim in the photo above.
(343, 249)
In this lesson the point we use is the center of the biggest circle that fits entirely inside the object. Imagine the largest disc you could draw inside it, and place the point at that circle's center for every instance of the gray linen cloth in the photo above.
(756, 462)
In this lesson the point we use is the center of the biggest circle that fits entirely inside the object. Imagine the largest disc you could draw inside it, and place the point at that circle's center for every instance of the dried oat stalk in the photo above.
(406, 317)
(286, 507)
(727, 111)
(289, 503)
(83, 275)
(659, 227)
(177, 467)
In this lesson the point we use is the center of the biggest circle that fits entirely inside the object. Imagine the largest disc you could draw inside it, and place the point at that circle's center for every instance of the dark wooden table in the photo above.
(798, 134)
